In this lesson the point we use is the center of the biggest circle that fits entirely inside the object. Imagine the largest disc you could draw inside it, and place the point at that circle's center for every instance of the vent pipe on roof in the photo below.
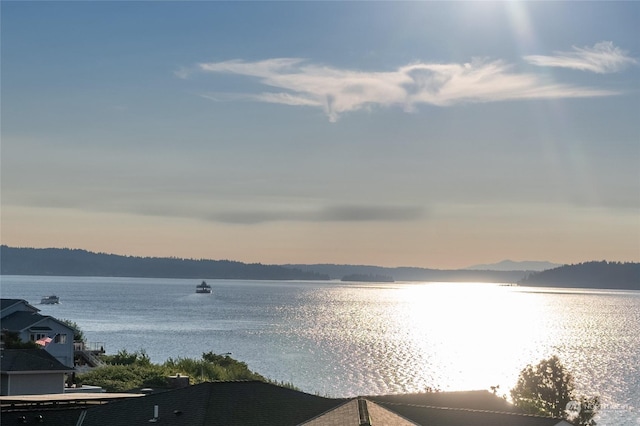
(155, 414)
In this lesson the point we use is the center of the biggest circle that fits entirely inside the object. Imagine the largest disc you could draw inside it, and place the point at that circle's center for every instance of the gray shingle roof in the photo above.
(23, 360)
(21, 320)
(478, 408)
(255, 404)
(359, 412)
(478, 400)
(7, 303)
(222, 403)
(444, 416)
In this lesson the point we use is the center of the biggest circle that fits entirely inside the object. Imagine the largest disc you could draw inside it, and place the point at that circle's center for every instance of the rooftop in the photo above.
(254, 403)
(29, 360)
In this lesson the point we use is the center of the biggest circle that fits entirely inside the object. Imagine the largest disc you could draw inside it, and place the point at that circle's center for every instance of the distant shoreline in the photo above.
(78, 263)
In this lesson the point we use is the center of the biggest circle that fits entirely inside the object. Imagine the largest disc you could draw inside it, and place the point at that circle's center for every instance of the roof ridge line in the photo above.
(363, 412)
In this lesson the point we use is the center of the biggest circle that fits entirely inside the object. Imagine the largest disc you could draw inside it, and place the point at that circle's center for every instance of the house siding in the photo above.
(32, 384)
(4, 385)
(62, 351)
(33, 325)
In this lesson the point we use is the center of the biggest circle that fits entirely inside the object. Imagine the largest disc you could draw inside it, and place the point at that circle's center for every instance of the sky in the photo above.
(428, 134)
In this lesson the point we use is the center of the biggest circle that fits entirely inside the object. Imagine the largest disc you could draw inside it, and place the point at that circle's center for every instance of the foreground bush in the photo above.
(121, 378)
(125, 371)
(212, 367)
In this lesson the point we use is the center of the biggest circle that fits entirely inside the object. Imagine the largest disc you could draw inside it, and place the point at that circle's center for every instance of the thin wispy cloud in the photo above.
(602, 58)
(297, 82)
(336, 213)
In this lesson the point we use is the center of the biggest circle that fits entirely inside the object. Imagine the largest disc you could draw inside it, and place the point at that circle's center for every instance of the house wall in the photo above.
(4, 385)
(61, 349)
(32, 384)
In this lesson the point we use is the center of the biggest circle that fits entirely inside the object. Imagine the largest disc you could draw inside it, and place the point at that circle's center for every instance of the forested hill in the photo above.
(73, 262)
(609, 275)
(413, 273)
(76, 262)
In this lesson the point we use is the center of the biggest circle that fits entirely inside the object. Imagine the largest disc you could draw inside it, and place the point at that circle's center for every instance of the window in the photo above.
(37, 336)
(60, 338)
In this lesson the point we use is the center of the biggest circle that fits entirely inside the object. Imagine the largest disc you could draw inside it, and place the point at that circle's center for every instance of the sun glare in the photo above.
(521, 24)
(469, 338)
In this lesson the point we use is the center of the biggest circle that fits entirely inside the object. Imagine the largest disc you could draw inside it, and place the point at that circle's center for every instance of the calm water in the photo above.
(338, 339)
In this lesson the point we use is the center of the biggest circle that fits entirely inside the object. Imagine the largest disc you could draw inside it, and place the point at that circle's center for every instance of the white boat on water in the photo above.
(203, 288)
(50, 300)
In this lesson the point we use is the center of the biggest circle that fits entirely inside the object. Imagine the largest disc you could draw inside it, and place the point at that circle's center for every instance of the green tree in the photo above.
(122, 378)
(12, 340)
(212, 367)
(548, 389)
(78, 334)
(124, 357)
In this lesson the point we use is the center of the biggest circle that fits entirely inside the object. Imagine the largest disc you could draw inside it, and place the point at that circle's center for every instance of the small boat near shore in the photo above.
(50, 300)
(203, 288)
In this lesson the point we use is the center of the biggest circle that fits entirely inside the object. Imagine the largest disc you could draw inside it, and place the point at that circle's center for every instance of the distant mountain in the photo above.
(74, 262)
(510, 265)
(606, 275)
(412, 274)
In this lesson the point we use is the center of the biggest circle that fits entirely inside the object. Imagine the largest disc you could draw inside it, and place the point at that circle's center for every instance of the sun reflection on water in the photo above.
(419, 336)
(470, 331)
(462, 336)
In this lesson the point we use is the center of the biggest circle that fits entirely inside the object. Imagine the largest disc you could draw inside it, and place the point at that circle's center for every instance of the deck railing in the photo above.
(89, 346)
